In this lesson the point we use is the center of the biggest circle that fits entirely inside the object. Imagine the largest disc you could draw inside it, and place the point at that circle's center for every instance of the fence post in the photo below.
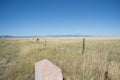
(83, 50)
(37, 40)
(46, 70)
(45, 42)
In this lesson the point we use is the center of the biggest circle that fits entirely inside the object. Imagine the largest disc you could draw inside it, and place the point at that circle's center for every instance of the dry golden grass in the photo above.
(18, 57)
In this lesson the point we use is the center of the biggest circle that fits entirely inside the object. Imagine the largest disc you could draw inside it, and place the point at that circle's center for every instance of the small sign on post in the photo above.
(46, 70)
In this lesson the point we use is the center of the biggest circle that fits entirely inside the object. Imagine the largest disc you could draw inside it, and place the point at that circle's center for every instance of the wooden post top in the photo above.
(46, 70)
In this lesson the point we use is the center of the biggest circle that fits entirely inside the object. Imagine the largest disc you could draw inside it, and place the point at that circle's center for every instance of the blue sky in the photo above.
(60, 17)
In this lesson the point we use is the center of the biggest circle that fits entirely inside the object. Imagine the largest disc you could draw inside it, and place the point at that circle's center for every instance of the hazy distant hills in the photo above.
(68, 36)
(8, 36)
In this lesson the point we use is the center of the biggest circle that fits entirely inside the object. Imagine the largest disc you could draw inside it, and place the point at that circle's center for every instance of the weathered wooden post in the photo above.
(45, 42)
(83, 50)
(37, 40)
(46, 70)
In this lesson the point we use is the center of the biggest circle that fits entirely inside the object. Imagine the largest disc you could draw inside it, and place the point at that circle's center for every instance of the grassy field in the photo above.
(18, 57)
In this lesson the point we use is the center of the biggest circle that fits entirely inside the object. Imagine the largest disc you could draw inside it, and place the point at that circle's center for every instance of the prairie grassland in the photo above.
(18, 57)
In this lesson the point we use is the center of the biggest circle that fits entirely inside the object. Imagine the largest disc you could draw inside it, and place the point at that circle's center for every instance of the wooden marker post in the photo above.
(83, 46)
(37, 40)
(45, 42)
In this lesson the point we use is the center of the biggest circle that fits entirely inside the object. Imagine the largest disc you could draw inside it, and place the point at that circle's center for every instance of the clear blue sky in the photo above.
(58, 17)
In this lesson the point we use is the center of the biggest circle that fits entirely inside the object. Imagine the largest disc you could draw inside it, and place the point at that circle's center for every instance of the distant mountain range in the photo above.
(8, 36)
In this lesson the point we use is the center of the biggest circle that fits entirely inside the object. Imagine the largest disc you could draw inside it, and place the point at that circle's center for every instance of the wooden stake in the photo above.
(83, 46)
(45, 42)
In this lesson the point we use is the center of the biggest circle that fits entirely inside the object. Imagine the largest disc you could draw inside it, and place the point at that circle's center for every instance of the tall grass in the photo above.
(18, 56)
